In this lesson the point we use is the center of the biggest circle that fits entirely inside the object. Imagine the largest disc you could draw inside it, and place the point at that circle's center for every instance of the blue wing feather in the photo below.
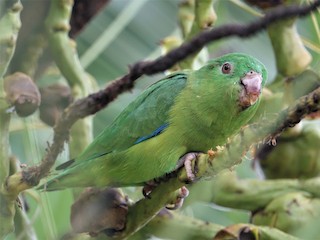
(153, 134)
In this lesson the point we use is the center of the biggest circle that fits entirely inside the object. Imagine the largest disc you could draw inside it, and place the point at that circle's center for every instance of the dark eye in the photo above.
(226, 68)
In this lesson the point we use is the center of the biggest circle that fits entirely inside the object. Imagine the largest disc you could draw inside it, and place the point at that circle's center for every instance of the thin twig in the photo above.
(293, 115)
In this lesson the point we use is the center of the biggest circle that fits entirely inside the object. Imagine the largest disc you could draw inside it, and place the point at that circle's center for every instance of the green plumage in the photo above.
(190, 111)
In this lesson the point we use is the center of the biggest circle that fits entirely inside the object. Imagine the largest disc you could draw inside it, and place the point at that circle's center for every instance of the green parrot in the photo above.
(186, 112)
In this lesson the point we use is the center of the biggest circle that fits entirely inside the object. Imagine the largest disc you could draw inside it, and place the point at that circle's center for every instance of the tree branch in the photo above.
(9, 24)
(293, 115)
(64, 53)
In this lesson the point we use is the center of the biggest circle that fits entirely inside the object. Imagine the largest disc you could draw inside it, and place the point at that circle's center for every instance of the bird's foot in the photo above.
(174, 204)
(152, 184)
(183, 192)
(148, 188)
(190, 163)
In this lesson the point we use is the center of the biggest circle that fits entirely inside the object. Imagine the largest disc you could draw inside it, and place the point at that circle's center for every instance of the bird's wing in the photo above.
(144, 118)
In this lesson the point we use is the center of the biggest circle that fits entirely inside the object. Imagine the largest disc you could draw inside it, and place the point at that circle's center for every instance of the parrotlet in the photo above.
(186, 112)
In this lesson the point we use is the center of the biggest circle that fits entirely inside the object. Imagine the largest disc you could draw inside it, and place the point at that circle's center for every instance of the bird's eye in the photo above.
(226, 68)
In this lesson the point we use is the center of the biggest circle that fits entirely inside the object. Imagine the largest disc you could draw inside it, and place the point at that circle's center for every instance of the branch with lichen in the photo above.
(170, 225)
(23, 228)
(280, 203)
(33, 51)
(249, 231)
(175, 226)
(9, 25)
(249, 194)
(63, 48)
(199, 16)
(194, 17)
(291, 56)
(165, 224)
(103, 213)
(65, 55)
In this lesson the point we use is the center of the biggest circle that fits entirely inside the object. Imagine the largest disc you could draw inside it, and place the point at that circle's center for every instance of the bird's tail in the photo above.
(62, 181)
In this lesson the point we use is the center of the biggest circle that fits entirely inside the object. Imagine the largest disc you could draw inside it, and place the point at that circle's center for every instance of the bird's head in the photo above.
(238, 76)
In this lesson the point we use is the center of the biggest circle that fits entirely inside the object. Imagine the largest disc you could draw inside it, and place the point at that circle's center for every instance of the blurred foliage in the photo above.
(128, 41)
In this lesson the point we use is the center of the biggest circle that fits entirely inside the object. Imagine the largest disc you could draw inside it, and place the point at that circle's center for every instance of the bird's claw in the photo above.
(178, 202)
(191, 169)
(152, 184)
(173, 205)
(148, 188)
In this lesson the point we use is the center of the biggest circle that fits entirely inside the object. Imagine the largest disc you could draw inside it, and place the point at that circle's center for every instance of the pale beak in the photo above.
(251, 89)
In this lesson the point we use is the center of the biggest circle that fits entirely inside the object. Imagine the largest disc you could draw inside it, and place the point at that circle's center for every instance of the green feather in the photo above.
(201, 109)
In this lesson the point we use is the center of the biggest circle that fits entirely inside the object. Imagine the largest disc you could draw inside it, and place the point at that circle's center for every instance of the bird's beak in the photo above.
(251, 89)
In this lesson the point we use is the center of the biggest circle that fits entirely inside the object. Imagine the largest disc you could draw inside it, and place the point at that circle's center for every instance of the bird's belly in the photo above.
(150, 159)
(203, 139)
